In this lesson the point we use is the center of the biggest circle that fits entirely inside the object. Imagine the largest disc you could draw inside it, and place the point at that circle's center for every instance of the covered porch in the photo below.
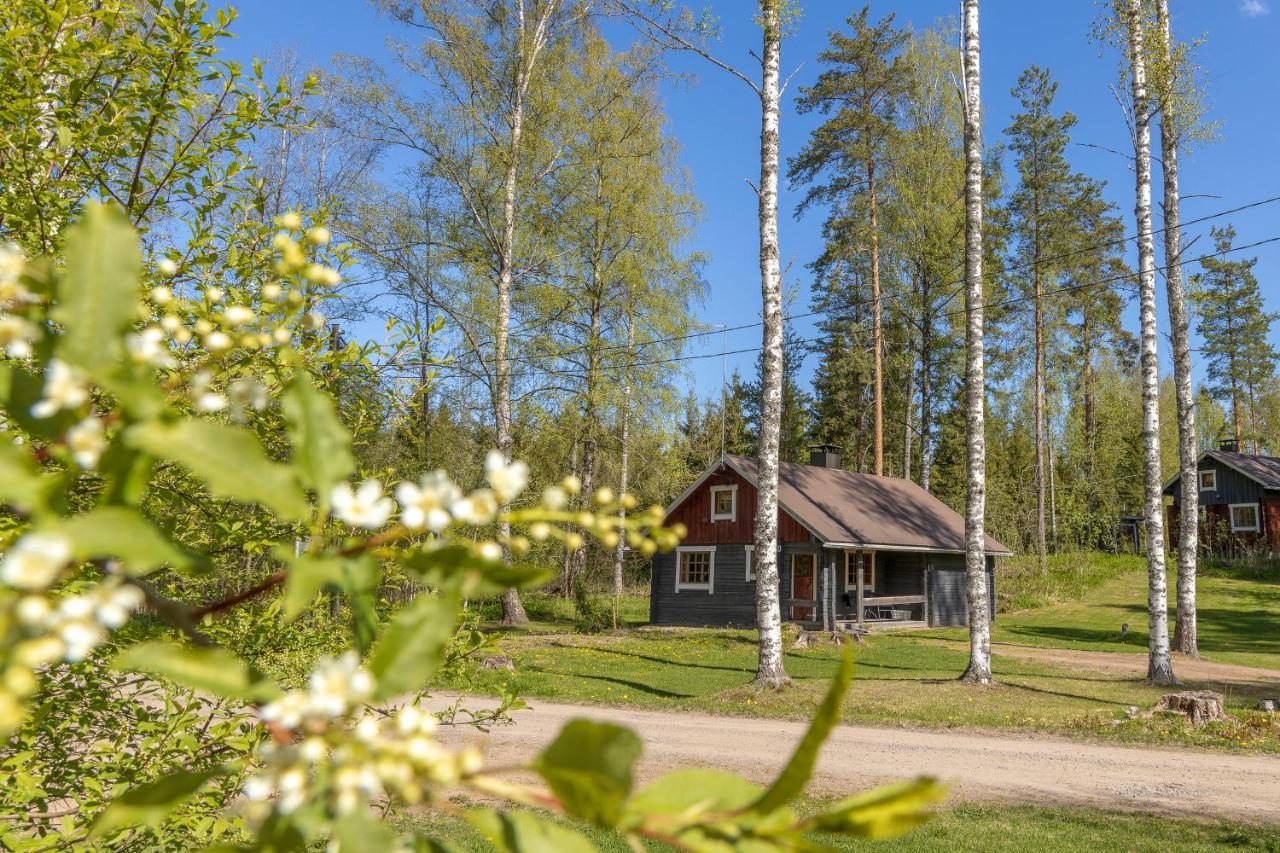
(859, 589)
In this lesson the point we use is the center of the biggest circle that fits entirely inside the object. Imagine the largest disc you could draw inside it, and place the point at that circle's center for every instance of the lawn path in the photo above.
(978, 766)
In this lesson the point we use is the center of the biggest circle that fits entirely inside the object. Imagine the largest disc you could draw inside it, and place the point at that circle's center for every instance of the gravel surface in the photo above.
(977, 765)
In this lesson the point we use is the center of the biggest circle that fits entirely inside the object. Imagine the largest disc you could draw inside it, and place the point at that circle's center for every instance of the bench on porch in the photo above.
(884, 610)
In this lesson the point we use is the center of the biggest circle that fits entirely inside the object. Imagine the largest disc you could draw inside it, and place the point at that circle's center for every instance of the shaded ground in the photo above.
(978, 766)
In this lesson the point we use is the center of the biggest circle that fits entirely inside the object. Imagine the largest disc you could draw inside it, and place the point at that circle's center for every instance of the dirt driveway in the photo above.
(978, 766)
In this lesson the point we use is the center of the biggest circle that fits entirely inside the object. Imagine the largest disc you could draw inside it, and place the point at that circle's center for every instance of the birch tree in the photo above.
(1160, 665)
(976, 593)
(1184, 638)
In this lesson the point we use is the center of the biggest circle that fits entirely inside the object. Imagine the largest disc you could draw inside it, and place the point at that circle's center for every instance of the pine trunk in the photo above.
(976, 592)
(1038, 408)
(877, 330)
(770, 671)
(926, 378)
(1160, 665)
(907, 424)
(1184, 636)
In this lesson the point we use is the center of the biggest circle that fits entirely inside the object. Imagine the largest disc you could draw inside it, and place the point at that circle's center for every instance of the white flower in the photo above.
(116, 603)
(479, 507)
(507, 480)
(318, 235)
(272, 292)
(34, 610)
(414, 719)
(64, 388)
(237, 315)
(337, 685)
(167, 267)
(161, 295)
(425, 503)
(217, 342)
(35, 560)
(290, 220)
(246, 394)
(287, 710)
(86, 441)
(490, 550)
(205, 400)
(555, 498)
(313, 321)
(80, 636)
(258, 788)
(17, 335)
(148, 347)
(364, 507)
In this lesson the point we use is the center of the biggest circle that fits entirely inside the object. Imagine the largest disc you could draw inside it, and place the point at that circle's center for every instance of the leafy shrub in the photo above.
(592, 613)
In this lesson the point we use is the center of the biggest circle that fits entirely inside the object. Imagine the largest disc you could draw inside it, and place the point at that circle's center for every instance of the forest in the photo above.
(312, 365)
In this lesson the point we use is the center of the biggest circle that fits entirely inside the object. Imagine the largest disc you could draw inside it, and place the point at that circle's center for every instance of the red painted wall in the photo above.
(695, 514)
(1215, 531)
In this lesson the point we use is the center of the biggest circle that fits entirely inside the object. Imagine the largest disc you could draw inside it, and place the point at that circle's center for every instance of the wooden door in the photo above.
(803, 574)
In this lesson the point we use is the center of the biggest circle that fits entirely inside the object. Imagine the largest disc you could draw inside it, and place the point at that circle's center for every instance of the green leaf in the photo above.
(588, 767)
(360, 579)
(123, 533)
(98, 294)
(694, 790)
(307, 577)
(882, 812)
(527, 832)
(150, 804)
(358, 831)
(321, 444)
(21, 484)
(410, 648)
(795, 775)
(229, 460)
(212, 670)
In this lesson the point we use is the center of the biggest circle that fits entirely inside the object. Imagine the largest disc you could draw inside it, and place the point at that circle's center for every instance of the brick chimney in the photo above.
(824, 455)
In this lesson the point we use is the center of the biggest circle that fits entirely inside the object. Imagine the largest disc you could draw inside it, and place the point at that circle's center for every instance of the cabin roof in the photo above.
(847, 508)
(1263, 470)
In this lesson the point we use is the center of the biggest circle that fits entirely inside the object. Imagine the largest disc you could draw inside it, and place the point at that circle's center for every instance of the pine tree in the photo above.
(1240, 362)
(858, 93)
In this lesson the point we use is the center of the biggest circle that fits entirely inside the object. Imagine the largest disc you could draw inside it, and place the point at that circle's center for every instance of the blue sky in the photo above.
(716, 121)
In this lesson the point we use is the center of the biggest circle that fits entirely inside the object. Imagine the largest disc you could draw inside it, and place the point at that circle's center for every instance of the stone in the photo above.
(498, 662)
(1268, 705)
(1198, 706)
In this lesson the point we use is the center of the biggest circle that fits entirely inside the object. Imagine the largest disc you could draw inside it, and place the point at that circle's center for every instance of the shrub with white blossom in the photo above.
(103, 394)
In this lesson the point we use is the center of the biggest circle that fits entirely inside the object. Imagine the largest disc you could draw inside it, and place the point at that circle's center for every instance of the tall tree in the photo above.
(1159, 666)
(772, 16)
(1042, 214)
(1172, 113)
(1232, 321)
(858, 92)
(976, 592)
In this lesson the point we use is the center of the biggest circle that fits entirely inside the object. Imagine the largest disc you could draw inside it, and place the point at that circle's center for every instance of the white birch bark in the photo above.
(976, 592)
(624, 471)
(529, 42)
(1159, 665)
(770, 671)
(1184, 637)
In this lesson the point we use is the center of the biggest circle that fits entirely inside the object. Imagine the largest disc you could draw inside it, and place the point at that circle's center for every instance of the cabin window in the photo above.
(724, 502)
(695, 568)
(751, 563)
(1208, 481)
(851, 570)
(1244, 517)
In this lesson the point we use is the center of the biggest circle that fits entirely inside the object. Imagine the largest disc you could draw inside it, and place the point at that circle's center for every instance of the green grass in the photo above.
(988, 827)
(911, 678)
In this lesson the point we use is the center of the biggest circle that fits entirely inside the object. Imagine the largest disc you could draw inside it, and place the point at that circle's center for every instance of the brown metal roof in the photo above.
(863, 509)
(1264, 470)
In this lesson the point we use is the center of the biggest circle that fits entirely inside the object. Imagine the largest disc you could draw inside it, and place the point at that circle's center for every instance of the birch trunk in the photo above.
(926, 377)
(1159, 666)
(1184, 635)
(1038, 406)
(907, 424)
(624, 461)
(976, 593)
(770, 671)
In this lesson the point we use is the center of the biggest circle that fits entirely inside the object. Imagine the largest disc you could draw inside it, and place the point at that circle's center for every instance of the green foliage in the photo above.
(589, 768)
(592, 613)
(210, 670)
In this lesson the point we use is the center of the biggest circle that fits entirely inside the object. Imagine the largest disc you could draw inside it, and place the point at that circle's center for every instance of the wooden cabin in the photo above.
(854, 549)
(1239, 503)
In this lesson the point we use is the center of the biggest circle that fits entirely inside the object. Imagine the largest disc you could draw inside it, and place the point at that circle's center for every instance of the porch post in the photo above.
(826, 590)
(862, 567)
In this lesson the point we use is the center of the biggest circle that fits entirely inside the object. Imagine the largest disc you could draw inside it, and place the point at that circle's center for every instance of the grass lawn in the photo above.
(910, 678)
(994, 828)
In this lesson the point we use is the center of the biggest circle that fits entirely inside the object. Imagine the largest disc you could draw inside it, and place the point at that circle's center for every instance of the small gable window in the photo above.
(695, 568)
(1208, 481)
(724, 503)
(1244, 517)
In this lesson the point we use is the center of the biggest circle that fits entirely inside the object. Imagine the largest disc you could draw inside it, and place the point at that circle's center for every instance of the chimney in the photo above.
(824, 455)
(1229, 445)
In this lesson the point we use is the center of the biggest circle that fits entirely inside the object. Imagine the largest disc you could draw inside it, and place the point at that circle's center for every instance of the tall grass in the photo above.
(1021, 585)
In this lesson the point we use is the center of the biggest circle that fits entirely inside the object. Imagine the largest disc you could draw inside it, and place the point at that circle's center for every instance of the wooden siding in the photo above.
(1216, 536)
(948, 603)
(694, 512)
(1232, 486)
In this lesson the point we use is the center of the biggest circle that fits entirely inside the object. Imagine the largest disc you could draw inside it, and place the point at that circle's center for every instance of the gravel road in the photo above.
(977, 765)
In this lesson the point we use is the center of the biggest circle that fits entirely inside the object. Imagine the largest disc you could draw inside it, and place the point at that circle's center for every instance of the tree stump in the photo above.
(1199, 706)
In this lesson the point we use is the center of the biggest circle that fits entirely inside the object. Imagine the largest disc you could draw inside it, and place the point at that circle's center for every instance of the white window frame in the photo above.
(751, 563)
(1257, 518)
(733, 503)
(708, 587)
(1213, 487)
(869, 568)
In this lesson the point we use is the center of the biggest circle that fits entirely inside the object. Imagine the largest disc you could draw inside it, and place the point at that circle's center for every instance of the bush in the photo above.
(593, 614)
